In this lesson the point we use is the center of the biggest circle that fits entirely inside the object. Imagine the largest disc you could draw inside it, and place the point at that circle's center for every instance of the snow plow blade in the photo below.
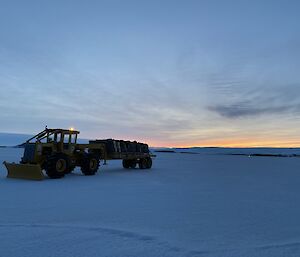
(24, 171)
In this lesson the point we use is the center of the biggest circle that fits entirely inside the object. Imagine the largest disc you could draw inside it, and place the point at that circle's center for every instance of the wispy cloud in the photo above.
(258, 101)
(240, 110)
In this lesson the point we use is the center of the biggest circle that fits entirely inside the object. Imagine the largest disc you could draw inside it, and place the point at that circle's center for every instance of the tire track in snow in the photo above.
(114, 232)
(246, 251)
(156, 242)
(279, 245)
(121, 233)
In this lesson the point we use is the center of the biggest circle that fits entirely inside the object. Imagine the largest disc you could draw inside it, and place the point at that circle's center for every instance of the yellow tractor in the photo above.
(56, 151)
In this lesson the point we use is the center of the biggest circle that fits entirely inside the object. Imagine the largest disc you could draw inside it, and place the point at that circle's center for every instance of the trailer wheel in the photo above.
(126, 164)
(132, 164)
(149, 162)
(143, 163)
(90, 165)
(57, 165)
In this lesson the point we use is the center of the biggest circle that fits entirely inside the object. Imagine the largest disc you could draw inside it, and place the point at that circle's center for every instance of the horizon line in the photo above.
(226, 143)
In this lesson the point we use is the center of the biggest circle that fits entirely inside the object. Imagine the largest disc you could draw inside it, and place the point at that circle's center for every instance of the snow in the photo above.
(186, 205)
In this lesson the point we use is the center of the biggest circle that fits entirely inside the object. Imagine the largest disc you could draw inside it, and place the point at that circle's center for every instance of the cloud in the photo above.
(245, 109)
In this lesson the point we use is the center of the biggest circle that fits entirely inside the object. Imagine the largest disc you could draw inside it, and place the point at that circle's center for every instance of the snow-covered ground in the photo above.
(187, 205)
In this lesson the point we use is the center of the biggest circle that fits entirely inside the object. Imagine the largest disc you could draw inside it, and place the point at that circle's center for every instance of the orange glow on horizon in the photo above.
(241, 142)
(238, 143)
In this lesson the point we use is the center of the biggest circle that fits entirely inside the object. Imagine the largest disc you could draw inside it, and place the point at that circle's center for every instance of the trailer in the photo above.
(133, 153)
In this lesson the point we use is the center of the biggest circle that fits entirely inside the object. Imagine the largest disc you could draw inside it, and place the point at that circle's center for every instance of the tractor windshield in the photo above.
(70, 138)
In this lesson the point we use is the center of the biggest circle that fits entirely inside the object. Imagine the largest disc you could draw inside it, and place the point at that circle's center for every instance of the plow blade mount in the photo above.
(25, 171)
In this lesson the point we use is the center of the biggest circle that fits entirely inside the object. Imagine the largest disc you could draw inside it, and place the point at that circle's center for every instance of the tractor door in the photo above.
(69, 143)
(58, 139)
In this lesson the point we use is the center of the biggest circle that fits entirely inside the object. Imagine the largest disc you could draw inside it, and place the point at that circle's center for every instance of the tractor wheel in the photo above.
(90, 165)
(57, 165)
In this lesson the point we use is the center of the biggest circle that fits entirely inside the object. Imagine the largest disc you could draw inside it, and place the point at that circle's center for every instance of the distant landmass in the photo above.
(253, 151)
(12, 139)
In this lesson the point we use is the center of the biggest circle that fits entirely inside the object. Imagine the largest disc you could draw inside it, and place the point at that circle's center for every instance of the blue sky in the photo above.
(172, 73)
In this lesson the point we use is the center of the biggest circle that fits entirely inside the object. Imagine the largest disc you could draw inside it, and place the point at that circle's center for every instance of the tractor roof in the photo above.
(47, 131)
(57, 130)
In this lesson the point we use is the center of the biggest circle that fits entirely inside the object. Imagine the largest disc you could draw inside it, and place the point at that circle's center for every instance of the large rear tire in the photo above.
(57, 165)
(90, 165)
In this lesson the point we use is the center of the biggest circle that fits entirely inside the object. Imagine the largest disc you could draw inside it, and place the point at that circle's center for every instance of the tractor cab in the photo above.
(65, 136)
(50, 141)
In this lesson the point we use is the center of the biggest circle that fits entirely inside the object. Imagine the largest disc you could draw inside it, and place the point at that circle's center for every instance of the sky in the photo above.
(170, 73)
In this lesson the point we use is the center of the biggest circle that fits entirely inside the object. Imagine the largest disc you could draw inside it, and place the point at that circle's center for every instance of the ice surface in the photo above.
(187, 205)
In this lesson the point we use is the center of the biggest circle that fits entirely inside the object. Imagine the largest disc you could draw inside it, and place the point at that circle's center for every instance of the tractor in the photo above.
(57, 152)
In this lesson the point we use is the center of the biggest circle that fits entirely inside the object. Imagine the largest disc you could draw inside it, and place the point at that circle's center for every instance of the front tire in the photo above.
(57, 165)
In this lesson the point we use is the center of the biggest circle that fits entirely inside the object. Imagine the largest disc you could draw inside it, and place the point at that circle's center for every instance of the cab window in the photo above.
(66, 138)
(73, 138)
(58, 137)
(50, 138)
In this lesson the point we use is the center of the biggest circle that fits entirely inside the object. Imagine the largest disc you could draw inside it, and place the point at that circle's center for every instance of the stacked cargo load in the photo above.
(117, 148)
